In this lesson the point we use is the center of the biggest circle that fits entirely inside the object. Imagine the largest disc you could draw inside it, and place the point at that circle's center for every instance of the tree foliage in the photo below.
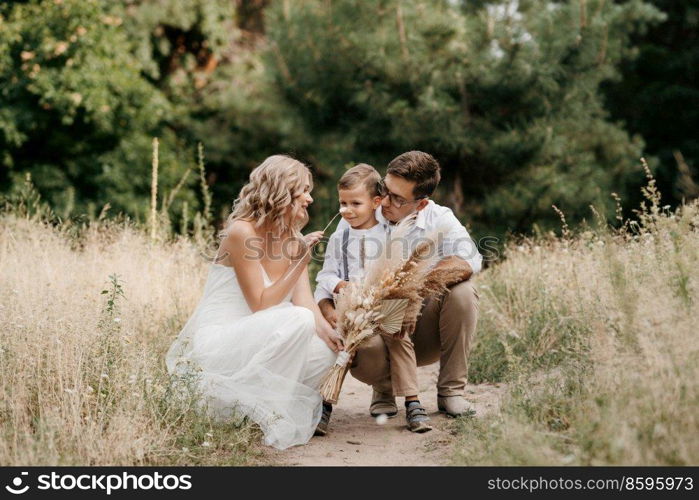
(85, 85)
(73, 103)
(658, 95)
(505, 94)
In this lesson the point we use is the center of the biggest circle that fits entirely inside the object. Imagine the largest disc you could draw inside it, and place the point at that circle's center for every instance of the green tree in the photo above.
(85, 85)
(205, 56)
(75, 110)
(505, 94)
(658, 96)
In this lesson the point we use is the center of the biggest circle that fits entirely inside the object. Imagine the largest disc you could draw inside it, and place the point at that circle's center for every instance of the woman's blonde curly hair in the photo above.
(270, 191)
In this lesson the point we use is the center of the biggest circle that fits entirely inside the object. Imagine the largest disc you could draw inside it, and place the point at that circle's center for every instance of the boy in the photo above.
(359, 191)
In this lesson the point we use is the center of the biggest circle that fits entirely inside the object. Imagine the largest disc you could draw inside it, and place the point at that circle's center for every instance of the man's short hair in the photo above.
(363, 174)
(418, 167)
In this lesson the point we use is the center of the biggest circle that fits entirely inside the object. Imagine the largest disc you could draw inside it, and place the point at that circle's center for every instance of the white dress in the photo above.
(265, 365)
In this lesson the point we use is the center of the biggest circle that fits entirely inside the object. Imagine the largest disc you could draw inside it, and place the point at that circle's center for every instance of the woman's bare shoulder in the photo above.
(239, 229)
(236, 235)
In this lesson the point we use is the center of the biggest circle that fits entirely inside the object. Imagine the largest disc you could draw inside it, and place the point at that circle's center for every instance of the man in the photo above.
(446, 324)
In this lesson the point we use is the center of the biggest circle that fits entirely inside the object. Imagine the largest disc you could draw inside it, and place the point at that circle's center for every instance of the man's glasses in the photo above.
(394, 199)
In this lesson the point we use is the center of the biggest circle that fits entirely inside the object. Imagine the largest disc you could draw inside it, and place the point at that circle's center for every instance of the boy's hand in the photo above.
(327, 309)
(342, 284)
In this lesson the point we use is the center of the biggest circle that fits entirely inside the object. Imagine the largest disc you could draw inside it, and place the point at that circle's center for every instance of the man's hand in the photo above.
(327, 309)
(328, 335)
(458, 268)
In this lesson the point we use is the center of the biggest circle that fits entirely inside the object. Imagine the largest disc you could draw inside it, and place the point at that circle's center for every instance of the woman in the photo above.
(257, 341)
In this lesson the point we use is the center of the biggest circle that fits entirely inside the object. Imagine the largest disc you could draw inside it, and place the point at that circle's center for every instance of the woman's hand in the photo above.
(328, 335)
(312, 238)
(306, 244)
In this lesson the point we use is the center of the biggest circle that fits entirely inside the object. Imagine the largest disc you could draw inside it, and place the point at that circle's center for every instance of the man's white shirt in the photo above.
(455, 240)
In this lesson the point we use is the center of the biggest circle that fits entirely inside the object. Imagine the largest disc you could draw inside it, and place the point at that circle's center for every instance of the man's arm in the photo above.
(457, 243)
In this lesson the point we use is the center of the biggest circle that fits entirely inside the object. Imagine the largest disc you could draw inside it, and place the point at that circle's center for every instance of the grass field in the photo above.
(595, 332)
(84, 324)
(598, 335)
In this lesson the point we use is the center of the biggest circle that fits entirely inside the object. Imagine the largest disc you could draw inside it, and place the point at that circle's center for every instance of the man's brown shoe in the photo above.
(383, 404)
(455, 406)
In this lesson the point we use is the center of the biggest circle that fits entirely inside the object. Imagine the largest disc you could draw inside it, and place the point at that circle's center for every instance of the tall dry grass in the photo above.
(598, 335)
(86, 315)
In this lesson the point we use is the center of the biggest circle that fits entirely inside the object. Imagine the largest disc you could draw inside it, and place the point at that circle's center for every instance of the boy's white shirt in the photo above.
(456, 241)
(332, 272)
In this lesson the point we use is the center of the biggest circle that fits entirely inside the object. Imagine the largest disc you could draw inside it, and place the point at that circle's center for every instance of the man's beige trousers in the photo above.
(444, 332)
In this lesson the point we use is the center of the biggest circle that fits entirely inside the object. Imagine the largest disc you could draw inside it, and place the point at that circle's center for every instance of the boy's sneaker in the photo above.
(322, 428)
(416, 416)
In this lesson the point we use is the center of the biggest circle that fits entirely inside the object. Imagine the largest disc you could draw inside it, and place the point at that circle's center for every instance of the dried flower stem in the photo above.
(154, 191)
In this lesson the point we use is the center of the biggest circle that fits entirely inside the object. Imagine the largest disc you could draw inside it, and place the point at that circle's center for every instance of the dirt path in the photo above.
(356, 439)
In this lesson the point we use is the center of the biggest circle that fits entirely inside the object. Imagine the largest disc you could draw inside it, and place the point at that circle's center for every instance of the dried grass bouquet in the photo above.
(389, 299)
